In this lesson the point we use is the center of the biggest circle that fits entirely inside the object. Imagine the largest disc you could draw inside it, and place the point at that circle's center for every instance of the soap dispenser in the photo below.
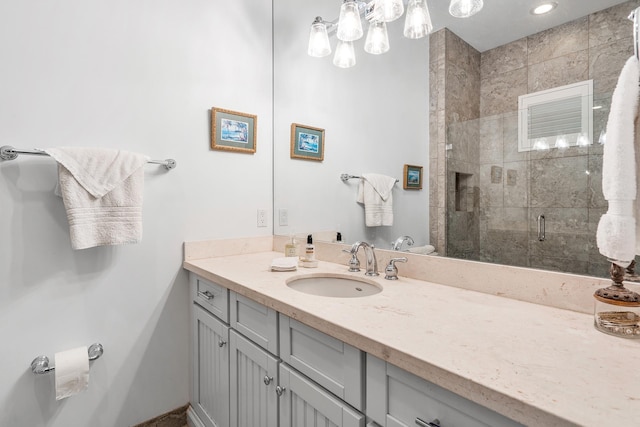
(310, 250)
(291, 247)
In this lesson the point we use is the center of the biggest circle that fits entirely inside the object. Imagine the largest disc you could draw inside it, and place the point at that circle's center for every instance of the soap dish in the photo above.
(308, 263)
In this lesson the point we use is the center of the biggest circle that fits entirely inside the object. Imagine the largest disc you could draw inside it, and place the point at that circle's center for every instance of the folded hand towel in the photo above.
(102, 191)
(374, 191)
(616, 234)
(284, 264)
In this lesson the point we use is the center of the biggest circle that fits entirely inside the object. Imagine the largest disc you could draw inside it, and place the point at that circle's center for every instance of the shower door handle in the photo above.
(541, 228)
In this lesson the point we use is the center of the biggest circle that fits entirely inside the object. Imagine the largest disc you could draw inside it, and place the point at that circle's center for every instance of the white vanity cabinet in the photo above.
(240, 380)
(397, 398)
(255, 367)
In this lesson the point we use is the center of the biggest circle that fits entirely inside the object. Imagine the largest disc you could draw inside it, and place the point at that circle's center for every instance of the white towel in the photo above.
(102, 191)
(616, 235)
(374, 191)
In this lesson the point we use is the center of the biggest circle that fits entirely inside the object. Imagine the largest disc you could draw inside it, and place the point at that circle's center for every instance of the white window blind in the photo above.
(563, 111)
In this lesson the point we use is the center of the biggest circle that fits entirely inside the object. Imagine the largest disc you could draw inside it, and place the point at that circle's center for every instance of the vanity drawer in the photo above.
(210, 296)
(255, 321)
(397, 398)
(335, 365)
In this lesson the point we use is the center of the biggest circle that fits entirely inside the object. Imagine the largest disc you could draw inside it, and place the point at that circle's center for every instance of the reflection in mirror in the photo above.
(375, 117)
(450, 104)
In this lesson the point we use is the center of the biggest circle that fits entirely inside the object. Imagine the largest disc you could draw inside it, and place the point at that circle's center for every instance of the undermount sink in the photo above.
(334, 286)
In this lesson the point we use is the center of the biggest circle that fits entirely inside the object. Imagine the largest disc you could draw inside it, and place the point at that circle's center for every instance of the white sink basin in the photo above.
(334, 286)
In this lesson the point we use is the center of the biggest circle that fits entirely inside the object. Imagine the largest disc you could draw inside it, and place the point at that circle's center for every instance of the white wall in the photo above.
(376, 119)
(141, 76)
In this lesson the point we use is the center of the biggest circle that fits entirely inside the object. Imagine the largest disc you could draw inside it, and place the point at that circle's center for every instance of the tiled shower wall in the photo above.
(494, 193)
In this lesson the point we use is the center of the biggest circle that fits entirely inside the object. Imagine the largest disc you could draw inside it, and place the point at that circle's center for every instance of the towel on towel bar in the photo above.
(102, 191)
(616, 234)
(374, 191)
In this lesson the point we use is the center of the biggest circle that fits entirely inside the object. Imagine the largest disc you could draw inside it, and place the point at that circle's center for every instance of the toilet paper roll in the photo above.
(71, 372)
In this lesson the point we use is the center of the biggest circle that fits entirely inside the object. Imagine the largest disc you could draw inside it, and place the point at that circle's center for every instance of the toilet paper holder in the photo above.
(40, 364)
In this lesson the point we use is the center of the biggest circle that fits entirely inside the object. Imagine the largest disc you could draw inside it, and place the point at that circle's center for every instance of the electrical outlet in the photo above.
(283, 215)
(262, 217)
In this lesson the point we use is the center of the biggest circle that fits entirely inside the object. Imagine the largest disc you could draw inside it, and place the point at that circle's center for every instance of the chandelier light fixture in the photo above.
(377, 13)
(465, 8)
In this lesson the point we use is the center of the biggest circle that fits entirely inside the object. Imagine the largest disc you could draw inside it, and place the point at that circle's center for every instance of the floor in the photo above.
(175, 418)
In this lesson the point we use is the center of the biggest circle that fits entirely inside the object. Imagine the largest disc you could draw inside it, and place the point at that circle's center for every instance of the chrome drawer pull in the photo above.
(267, 380)
(221, 343)
(280, 390)
(434, 423)
(206, 295)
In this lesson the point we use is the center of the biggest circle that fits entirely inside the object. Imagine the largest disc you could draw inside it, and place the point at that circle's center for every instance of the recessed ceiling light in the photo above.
(544, 8)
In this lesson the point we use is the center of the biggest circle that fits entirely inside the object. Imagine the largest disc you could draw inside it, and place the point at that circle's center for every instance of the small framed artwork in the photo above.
(412, 177)
(233, 131)
(307, 142)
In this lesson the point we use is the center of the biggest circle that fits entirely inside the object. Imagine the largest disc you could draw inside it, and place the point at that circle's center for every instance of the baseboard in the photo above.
(193, 420)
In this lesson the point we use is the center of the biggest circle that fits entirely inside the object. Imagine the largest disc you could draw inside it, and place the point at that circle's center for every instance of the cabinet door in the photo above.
(255, 321)
(305, 404)
(210, 393)
(335, 365)
(254, 376)
(396, 398)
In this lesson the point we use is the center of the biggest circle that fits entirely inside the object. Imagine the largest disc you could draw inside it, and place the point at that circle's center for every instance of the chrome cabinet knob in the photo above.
(222, 343)
(267, 380)
(280, 390)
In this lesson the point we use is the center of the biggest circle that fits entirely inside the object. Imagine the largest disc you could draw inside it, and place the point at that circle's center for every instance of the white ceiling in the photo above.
(502, 21)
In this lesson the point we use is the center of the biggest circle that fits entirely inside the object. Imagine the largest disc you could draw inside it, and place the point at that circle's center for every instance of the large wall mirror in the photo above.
(449, 104)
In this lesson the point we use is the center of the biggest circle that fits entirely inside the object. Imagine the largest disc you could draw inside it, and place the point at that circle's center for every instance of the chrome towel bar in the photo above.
(40, 365)
(345, 177)
(7, 152)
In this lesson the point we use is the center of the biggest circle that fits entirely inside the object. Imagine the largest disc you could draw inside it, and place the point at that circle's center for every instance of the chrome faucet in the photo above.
(397, 245)
(372, 263)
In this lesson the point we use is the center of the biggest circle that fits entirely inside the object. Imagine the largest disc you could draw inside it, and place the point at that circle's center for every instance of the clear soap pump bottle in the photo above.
(291, 247)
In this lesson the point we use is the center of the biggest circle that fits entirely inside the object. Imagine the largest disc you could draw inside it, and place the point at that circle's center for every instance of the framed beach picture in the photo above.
(412, 177)
(233, 131)
(307, 142)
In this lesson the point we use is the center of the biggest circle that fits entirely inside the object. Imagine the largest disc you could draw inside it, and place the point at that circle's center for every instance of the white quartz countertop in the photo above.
(538, 365)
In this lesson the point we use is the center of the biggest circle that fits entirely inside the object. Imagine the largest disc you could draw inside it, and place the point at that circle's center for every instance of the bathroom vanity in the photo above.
(415, 354)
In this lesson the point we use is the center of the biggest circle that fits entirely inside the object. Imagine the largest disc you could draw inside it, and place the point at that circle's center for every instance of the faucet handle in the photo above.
(354, 263)
(391, 271)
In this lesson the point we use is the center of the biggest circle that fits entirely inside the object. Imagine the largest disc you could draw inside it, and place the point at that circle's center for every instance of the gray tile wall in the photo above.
(481, 127)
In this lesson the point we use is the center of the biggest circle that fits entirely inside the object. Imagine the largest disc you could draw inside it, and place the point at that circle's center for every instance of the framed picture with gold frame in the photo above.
(412, 177)
(307, 142)
(233, 131)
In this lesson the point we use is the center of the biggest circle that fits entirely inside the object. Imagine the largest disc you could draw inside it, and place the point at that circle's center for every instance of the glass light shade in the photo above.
(388, 10)
(541, 144)
(465, 8)
(349, 24)
(417, 23)
(319, 39)
(583, 140)
(345, 55)
(562, 142)
(377, 41)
